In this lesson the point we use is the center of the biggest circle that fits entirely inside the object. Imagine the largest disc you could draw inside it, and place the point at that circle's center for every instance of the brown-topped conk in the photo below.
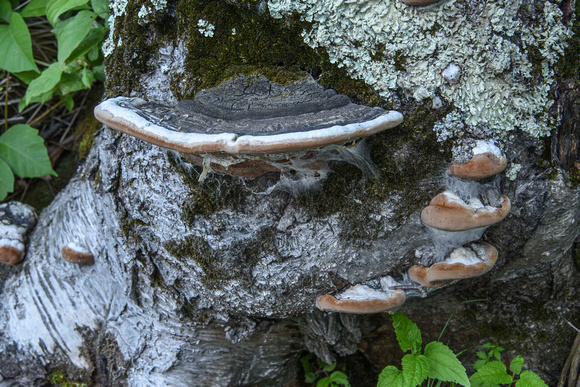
(74, 253)
(248, 126)
(487, 161)
(449, 212)
(360, 299)
(464, 262)
(16, 221)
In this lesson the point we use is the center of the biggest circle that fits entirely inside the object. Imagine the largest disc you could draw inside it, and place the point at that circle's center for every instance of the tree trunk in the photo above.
(215, 283)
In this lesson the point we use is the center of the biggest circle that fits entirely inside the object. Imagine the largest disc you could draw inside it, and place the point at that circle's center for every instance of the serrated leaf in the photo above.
(530, 379)
(444, 365)
(71, 32)
(415, 369)
(15, 46)
(408, 334)
(481, 355)
(479, 363)
(44, 84)
(516, 365)
(34, 8)
(391, 377)
(23, 149)
(492, 372)
(55, 8)
(339, 379)
(6, 179)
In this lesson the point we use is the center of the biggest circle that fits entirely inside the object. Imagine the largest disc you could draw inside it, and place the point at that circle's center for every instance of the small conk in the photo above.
(16, 221)
(464, 262)
(74, 253)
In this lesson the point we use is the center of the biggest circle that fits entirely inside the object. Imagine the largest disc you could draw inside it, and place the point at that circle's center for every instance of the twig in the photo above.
(46, 113)
(74, 117)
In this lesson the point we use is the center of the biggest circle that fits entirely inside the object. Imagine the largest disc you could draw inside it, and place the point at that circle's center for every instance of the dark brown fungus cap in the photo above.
(16, 221)
(76, 254)
(449, 212)
(247, 122)
(360, 299)
(480, 166)
(464, 262)
(419, 2)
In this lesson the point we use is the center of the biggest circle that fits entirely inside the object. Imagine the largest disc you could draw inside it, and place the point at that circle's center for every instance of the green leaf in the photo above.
(23, 149)
(44, 84)
(5, 10)
(68, 101)
(516, 365)
(99, 72)
(309, 377)
(408, 334)
(71, 82)
(444, 364)
(392, 377)
(492, 372)
(101, 7)
(479, 363)
(16, 46)
(305, 361)
(530, 379)
(338, 378)
(326, 367)
(34, 8)
(6, 180)
(415, 369)
(71, 32)
(481, 355)
(55, 8)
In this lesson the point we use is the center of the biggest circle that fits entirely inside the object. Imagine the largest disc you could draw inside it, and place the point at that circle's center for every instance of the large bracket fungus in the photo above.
(249, 126)
(463, 262)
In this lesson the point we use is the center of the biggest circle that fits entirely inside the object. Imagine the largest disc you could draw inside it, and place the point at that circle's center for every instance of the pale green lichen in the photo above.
(506, 60)
(512, 172)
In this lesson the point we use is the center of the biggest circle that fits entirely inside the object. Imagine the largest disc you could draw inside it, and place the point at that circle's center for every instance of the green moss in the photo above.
(536, 58)
(406, 156)
(85, 133)
(234, 263)
(59, 378)
(140, 43)
(569, 64)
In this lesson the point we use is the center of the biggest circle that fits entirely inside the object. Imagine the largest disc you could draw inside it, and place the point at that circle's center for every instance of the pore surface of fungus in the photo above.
(16, 220)
(249, 121)
(464, 262)
(449, 212)
(360, 299)
(487, 161)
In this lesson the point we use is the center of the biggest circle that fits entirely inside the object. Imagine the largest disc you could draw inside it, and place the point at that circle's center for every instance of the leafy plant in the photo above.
(79, 27)
(311, 374)
(491, 372)
(437, 361)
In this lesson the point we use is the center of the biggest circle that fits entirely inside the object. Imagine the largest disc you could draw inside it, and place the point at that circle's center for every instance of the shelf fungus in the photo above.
(74, 253)
(248, 126)
(487, 161)
(16, 221)
(449, 212)
(360, 299)
(464, 262)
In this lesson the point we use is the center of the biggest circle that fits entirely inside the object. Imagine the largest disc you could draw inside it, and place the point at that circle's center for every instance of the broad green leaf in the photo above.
(516, 365)
(5, 11)
(415, 369)
(55, 8)
(392, 377)
(27, 76)
(71, 82)
(493, 372)
(101, 7)
(34, 8)
(6, 179)
(23, 149)
(87, 77)
(475, 383)
(16, 46)
(93, 39)
(68, 101)
(44, 84)
(444, 364)
(408, 334)
(71, 32)
(530, 379)
(99, 72)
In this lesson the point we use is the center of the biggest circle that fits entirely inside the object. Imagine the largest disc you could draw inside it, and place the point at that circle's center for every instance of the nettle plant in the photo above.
(437, 363)
(79, 27)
